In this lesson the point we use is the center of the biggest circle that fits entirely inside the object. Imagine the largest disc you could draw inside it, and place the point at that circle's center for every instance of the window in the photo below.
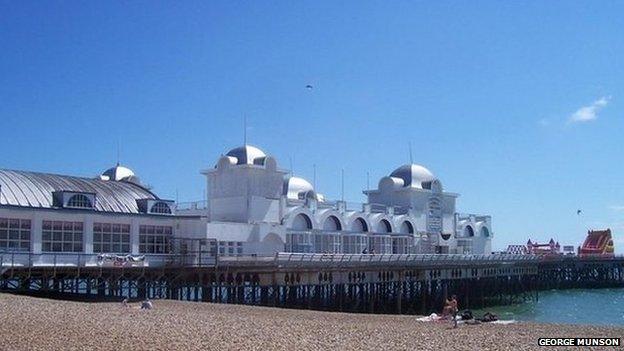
(407, 228)
(384, 226)
(14, 234)
(230, 248)
(155, 239)
(332, 223)
(301, 222)
(109, 237)
(79, 201)
(161, 208)
(58, 236)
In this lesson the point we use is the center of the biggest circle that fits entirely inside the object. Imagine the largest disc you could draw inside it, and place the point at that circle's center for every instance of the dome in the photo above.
(414, 176)
(297, 188)
(247, 154)
(119, 173)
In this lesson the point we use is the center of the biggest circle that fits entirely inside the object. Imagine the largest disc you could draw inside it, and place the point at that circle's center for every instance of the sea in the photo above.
(574, 306)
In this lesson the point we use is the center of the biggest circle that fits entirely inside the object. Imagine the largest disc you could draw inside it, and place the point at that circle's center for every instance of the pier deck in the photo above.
(338, 282)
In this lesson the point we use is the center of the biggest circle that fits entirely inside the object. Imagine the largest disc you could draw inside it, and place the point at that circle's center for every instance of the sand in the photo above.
(28, 323)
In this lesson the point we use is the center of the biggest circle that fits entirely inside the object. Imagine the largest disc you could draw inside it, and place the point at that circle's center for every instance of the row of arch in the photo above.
(469, 231)
(331, 223)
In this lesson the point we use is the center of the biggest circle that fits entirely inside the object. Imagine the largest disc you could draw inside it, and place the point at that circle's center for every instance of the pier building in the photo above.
(253, 207)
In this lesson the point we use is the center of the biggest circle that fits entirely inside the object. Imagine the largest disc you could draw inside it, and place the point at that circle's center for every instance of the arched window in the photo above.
(384, 226)
(332, 223)
(359, 225)
(485, 232)
(160, 208)
(301, 222)
(468, 231)
(407, 228)
(79, 201)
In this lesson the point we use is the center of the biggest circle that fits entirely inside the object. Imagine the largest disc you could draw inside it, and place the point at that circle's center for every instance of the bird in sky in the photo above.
(309, 87)
(578, 212)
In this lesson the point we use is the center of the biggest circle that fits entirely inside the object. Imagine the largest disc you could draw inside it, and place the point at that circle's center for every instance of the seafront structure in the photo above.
(598, 242)
(263, 237)
(252, 208)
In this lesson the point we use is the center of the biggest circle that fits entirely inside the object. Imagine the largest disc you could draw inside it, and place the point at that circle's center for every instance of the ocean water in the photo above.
(575, 306)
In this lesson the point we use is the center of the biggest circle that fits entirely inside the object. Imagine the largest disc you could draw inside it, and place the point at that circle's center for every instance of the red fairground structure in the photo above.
(598, 242)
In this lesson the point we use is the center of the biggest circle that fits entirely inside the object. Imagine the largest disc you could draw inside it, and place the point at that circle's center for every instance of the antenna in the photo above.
(292, 173)
(177, 196)
(367, 181)
(410, 152)
(244, 130)
(118, 148)
(342, 184)
(314, 176)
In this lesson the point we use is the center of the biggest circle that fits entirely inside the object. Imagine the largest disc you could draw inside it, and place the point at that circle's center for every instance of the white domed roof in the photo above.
(118, 173)
(247, 154)
(414, 175)
(297, 188)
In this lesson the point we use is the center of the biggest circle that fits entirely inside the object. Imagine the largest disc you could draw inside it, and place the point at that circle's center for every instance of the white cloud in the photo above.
(590, 112)
(617, 208)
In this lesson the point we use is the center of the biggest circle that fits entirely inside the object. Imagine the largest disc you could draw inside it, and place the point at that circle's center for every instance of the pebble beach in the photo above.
(28, 323)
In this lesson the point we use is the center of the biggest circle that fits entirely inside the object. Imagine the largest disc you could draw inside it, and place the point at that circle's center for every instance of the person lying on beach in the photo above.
(489, 317)
(146, 305)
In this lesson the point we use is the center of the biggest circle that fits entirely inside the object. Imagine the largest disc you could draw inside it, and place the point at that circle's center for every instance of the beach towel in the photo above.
(511, 321)
(430, 318)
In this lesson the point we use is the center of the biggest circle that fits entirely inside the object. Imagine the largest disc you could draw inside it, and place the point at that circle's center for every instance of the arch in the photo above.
(332, 223)
(79, 201)
(485, 232)
(160, 208)
(273, 238)
(359, 225)
(308, 195)
(301, 222)
(406, 228)
(384, 226)
(468, 231)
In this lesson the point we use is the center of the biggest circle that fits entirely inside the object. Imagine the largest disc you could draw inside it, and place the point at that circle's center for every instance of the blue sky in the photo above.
(517, 105)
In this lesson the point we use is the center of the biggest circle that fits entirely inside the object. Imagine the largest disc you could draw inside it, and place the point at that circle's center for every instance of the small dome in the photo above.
(414, 176)
(247, 154)
(297, 188)
(119, 173)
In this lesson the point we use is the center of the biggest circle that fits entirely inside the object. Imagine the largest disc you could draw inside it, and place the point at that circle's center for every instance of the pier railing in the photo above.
(203, 259)
(374, 260)
(66, 259)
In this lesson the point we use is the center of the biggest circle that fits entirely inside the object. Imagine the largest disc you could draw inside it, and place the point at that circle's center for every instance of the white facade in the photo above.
(250, 200)
(252, 207)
